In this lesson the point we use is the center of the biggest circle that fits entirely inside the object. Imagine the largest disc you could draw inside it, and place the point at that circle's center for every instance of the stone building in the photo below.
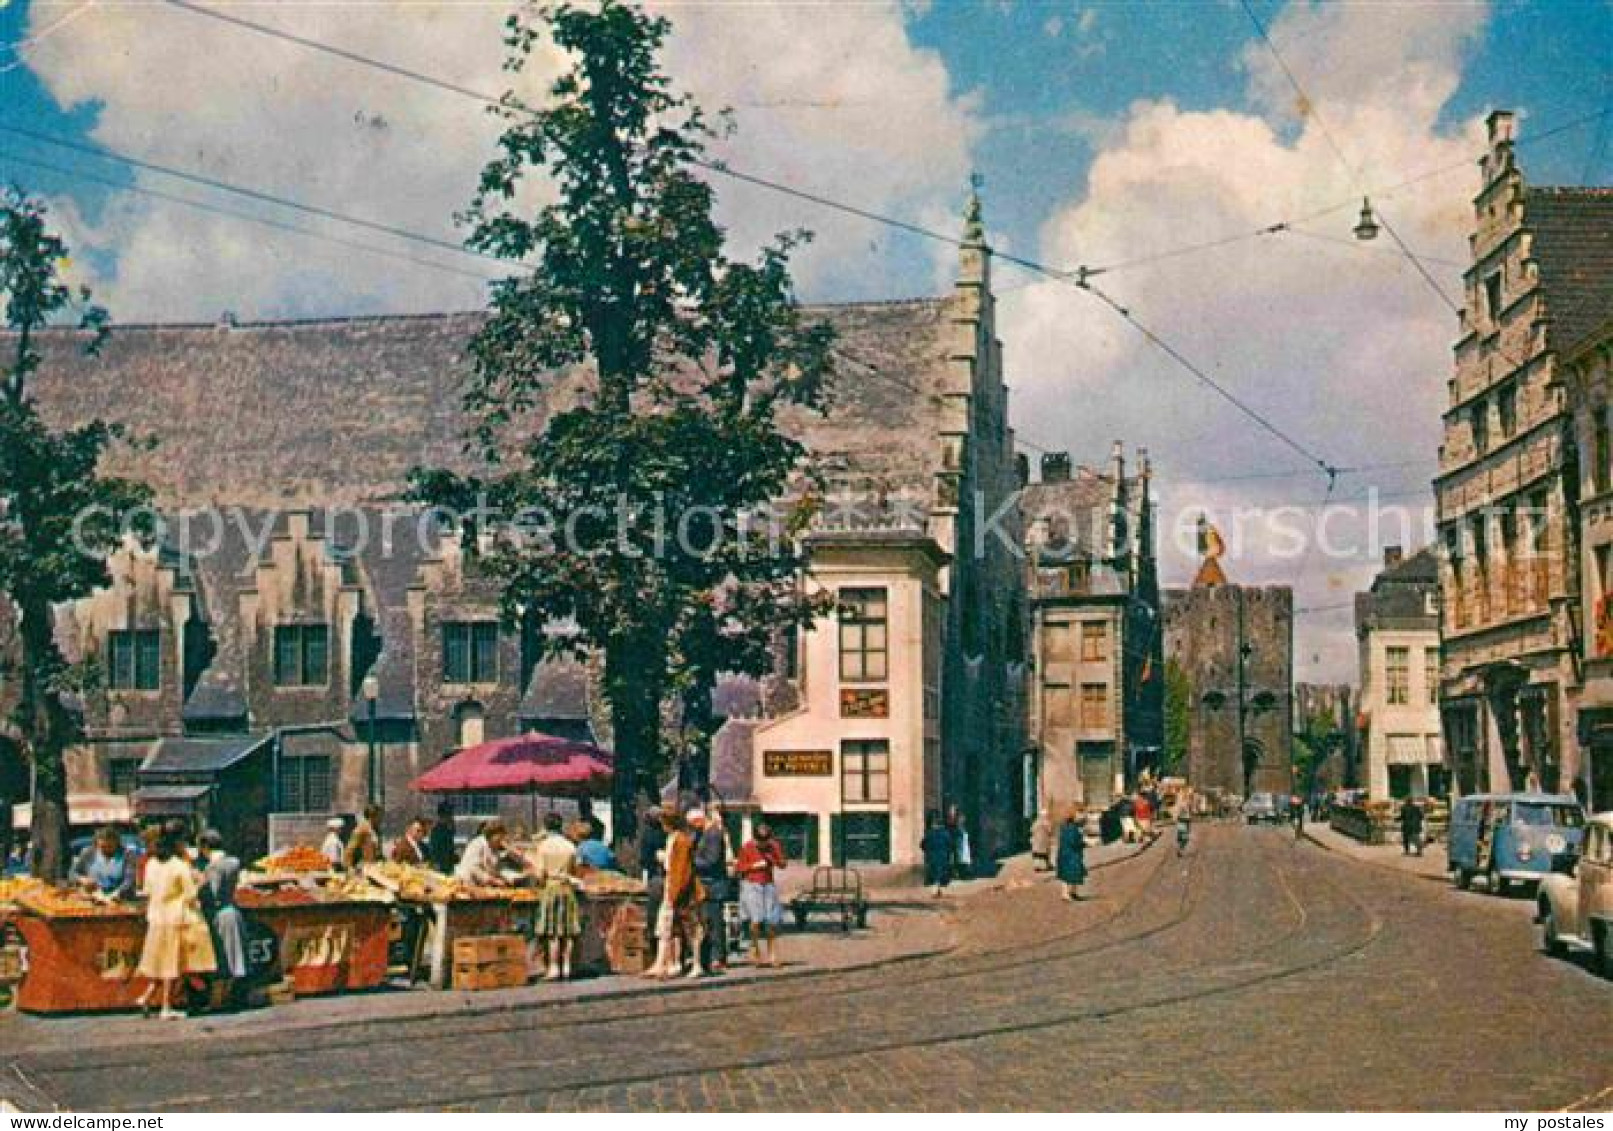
(1508, 488)
(1587, 363)
(1097, 694)
(1397, 632)
(310, 619)
(1235, 644)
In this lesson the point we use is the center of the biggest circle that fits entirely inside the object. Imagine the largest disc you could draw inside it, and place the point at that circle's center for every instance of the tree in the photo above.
(1319, 736)
(1178, 717)
(627, 523)
(59, 516)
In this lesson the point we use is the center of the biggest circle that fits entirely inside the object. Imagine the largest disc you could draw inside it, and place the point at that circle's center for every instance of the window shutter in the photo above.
(837, 832)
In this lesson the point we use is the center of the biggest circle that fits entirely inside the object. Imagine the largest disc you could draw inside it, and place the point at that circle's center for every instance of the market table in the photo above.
(325, 945)
(81, 962)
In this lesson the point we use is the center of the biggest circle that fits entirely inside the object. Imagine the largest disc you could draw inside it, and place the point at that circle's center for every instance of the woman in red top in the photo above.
(759, 905)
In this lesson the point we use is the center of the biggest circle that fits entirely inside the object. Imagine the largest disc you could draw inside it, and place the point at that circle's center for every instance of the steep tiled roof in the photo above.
(1573, 243)
(336, 412)
(1400, 595)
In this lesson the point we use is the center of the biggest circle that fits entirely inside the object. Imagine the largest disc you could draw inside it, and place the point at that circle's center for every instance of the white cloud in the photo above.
(881, 127)
(1339, 344)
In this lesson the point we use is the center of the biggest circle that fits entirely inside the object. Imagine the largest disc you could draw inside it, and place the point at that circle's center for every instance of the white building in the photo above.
(1397, 627)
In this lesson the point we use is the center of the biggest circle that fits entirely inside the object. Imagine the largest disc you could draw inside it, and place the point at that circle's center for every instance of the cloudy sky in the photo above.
(1118, 136)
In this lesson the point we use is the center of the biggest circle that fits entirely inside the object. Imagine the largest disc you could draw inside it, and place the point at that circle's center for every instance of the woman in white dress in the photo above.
(177, 940)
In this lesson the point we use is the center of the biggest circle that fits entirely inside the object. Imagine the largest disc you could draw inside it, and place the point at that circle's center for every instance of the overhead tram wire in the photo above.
(248, 193)
(726, 170)
(1604, 116)
(264, 221)
(1338, 152)
(721, 168)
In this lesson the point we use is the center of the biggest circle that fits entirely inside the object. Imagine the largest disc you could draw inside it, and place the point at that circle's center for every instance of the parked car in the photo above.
(1574, 905)
(1511, 837)
(1263, 807)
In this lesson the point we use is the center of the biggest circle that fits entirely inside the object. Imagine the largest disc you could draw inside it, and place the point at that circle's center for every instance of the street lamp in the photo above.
(1367, 227)
(371, 691)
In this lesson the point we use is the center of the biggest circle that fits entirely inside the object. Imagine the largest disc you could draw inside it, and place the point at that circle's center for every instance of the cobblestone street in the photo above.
(1255, 973)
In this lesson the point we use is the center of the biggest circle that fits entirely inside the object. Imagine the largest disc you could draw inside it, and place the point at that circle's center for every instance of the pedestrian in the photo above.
(558, 921)
(1072, 864)
(1042, 842)
(757, 866)
(711, 867)
(410, 848)
(939, 854)
(1144, 811)
(334, 849)
(1297, 807)
(1411, 827)
(221, 873)
(364, 847)
(678, 921)
(1184, 830)
(651, 853)
(962, 861)
(177, 943)
(440, 849)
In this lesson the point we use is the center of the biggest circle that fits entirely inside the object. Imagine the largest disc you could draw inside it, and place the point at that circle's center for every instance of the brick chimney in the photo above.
(1055, 467)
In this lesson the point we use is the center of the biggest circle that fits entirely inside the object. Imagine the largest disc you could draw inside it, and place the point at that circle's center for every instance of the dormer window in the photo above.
(301, 655)
(133, 660)
(470, 652)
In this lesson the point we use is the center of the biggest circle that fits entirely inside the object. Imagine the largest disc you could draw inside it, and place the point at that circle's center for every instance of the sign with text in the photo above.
(798, 763)
(864, 703)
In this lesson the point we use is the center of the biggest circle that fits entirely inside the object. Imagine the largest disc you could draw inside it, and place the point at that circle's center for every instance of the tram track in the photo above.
(676, 1002)
(797, 1059)
(900, 989)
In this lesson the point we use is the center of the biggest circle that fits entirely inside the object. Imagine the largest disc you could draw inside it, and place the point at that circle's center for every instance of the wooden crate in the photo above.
(500, 975)
(484, 950)
(11, 964)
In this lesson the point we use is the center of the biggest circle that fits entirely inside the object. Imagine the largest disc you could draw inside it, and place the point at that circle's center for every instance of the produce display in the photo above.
(11, 890)
(255, 898)
(69, 903)
(297, 858)
(611, 883)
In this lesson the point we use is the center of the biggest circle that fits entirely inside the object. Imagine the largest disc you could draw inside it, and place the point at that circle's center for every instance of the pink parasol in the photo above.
(530, 763)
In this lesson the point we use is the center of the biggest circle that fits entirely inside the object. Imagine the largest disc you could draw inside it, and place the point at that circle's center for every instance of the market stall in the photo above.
(612, 907)
(81, 952)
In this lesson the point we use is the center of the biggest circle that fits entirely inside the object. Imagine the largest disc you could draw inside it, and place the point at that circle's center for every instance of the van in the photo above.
(1511, 837)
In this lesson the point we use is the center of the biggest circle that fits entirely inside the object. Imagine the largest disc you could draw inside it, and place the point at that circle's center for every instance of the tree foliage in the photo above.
(59, 516)
(628, 521)
(1178, 717)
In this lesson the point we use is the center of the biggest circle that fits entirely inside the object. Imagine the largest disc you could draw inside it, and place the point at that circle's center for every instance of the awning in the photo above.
(1410, 750)
(169, 800)
(82, 809)
(202, 755)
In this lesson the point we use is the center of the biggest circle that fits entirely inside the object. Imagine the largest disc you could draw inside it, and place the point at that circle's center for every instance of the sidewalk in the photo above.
(906, 923)
(1431, 865)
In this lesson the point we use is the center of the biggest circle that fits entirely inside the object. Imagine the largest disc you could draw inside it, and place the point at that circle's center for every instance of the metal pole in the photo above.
(375, 777)
(1243, 741)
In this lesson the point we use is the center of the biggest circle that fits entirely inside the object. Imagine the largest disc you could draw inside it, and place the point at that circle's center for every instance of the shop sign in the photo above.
(318, 946)
(864, 703)
(798, 763)
(118, 957)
